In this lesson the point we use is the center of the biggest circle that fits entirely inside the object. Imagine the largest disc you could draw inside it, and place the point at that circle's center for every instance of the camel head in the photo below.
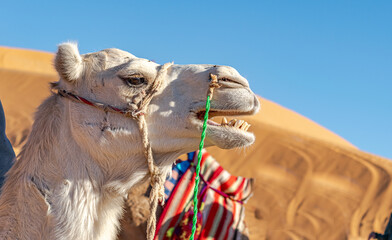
(174, 116)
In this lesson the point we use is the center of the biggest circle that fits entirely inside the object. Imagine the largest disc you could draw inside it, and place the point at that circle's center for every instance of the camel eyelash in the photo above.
(137, 80)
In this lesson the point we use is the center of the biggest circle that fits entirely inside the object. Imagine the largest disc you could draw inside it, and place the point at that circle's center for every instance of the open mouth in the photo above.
(233, 123)
(224, 133)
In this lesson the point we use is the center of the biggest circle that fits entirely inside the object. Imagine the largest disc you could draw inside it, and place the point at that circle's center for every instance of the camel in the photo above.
(79, 162)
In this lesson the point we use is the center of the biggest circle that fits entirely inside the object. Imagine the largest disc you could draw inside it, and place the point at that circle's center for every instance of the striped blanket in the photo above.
(221, 198)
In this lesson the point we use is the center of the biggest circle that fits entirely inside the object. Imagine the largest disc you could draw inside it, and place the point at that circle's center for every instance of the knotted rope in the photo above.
(157, 179)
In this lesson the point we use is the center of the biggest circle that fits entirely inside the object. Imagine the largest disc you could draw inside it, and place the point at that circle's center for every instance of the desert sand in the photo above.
(310, 183)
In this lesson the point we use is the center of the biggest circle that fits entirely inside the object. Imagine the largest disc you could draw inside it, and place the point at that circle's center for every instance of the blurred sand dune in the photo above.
(310, 183)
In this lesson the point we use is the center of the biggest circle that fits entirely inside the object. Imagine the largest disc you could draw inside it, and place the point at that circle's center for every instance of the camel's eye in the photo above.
(134, 81)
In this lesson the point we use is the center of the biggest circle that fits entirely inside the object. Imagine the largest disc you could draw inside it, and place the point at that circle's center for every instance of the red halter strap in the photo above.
(102, 106)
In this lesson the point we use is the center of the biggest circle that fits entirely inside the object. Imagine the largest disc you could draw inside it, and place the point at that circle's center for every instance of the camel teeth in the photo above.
(232, 122)
(243, 125)
(239, 123)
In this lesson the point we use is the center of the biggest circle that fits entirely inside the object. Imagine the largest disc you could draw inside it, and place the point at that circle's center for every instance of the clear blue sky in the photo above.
(330, 61)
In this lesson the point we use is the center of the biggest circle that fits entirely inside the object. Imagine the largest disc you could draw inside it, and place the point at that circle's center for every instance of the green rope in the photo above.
(197, 178)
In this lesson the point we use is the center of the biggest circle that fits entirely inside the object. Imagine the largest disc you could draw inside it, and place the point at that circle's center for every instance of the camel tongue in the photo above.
(210, 122)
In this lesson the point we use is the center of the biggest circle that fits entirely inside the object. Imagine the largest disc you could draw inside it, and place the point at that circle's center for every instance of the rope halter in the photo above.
(137, 111)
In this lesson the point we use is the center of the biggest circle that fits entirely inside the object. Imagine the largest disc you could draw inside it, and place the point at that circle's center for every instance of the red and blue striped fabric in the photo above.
(221, 202)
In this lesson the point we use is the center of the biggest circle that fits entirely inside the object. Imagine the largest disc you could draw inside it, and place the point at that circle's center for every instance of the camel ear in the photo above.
(68, 62)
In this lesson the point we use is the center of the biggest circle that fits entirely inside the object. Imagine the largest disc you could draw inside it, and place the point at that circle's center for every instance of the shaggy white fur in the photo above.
(71, 177)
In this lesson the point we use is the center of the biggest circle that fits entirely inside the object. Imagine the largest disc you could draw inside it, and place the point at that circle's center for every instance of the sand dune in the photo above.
(27, 61)
(310, 183)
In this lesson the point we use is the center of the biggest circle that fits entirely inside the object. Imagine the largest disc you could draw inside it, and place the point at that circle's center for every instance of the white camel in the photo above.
(70, 179)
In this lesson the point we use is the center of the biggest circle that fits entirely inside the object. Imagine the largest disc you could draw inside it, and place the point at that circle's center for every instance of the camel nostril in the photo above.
(232, 82)
(226, 80)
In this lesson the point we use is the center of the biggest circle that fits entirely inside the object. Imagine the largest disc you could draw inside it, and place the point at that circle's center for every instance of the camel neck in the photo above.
(70, 196)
